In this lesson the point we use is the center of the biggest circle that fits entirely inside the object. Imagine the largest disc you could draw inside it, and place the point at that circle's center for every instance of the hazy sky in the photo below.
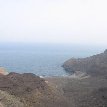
(54, 21)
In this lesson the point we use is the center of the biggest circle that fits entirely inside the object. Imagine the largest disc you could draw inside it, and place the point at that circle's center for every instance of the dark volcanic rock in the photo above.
(94, 65)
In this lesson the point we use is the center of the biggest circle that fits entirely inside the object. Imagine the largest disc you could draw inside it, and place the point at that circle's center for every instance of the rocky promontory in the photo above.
(95, 65)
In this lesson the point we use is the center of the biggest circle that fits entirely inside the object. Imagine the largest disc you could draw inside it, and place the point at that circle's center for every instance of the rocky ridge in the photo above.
(28, 90)
(95, 65)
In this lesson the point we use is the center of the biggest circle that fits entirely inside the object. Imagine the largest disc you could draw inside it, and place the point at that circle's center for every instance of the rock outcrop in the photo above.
(28, 90)
(95, 65)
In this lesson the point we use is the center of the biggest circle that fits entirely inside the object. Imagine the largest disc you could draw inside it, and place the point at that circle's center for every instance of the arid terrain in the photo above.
(82, 92)
(28, 90)
(86, 87)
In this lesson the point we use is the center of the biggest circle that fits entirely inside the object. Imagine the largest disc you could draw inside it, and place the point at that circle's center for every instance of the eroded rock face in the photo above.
(94, 65)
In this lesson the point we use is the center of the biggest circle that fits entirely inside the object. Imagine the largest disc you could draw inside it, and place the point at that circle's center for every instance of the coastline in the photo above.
(71, 90)
(81, 89)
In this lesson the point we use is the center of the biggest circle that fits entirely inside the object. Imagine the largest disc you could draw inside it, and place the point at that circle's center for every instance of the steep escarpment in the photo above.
(28, 90)
(95, 65)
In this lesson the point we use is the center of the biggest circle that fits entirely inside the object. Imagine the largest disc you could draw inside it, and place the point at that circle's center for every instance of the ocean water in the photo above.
(40, 60)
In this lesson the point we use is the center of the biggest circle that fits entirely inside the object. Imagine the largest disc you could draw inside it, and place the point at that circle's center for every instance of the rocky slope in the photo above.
(87, 87)
(28, 90)
(95, 65)
(82, 92)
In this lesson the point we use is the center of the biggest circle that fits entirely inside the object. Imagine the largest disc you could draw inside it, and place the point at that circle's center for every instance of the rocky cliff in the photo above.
(94, 65)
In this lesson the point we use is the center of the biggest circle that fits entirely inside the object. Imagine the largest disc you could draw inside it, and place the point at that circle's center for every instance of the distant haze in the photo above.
(54, 21)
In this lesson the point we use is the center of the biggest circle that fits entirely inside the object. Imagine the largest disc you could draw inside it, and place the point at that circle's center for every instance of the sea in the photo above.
(41, 59)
